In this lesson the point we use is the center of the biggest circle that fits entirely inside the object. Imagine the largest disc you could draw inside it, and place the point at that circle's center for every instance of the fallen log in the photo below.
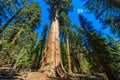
(73, 76)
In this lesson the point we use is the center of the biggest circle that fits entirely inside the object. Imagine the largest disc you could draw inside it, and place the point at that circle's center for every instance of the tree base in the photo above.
(57, 71)
(67, 76)
(42, 76)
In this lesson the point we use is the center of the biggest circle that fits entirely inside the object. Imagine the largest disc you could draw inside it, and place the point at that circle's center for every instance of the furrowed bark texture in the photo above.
(51, 64)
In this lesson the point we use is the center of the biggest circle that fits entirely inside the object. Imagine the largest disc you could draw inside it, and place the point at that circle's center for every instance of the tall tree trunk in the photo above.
(69, 59)
(51, 62)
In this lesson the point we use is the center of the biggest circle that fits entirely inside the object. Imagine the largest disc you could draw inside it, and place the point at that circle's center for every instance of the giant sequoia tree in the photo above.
(51, 63)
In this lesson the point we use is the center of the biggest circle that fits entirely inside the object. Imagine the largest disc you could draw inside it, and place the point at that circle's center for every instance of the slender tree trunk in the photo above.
(14, 42)
(51, 62)
(75, 63)
(10, 20)
(69, 59)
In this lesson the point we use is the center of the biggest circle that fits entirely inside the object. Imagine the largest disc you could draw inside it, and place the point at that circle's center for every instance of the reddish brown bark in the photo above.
(52, 63)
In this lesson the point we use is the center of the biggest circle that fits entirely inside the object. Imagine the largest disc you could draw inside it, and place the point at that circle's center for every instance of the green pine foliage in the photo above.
(102, 52)
(59, 6)
(107, 12)
(21, 33)
(116, 55)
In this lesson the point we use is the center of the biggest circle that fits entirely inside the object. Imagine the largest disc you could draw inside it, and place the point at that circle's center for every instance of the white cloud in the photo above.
(79, 10)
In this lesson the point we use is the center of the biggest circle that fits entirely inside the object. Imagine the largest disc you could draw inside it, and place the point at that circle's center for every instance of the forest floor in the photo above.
(8, 73)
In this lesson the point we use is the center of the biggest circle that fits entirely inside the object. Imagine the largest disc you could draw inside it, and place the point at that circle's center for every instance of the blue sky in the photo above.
(78, 9)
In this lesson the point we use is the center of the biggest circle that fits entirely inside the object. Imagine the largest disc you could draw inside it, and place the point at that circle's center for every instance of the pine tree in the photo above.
(20, 33)
(80, 51)
(24, 3)
(27, 37)
(100, 47)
